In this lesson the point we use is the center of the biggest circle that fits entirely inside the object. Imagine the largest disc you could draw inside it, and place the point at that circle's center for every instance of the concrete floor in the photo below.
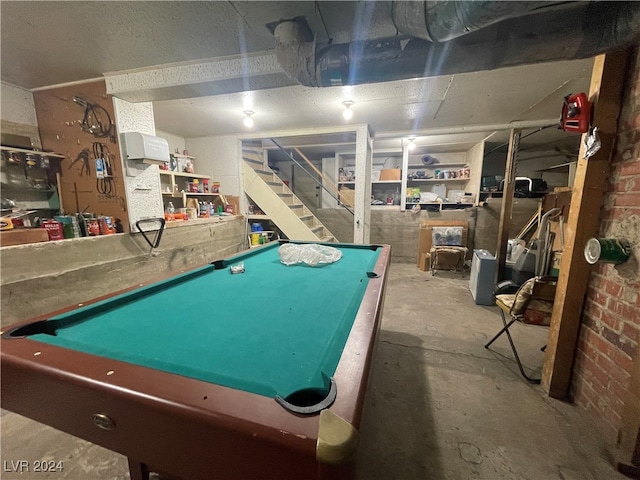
(440, 406)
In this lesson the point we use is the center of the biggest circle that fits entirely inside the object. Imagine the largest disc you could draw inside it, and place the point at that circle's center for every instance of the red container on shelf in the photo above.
(106, 225)
(93, 227)
(54, 229)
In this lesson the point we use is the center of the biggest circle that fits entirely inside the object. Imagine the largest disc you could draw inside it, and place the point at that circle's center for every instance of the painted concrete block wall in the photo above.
(400, 229)
(610, 330)
(218, 157)
(67, 272)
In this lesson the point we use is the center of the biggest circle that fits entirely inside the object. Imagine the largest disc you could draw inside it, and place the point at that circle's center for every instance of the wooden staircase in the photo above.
(277, 201)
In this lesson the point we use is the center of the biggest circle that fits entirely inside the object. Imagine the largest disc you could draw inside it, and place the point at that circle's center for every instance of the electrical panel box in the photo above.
(482, 277)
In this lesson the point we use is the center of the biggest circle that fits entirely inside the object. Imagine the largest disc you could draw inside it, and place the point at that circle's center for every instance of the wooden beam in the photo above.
(507, 202)
(607, 82)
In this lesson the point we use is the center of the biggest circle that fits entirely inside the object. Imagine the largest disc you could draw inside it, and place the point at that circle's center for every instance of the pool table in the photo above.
(244, 368)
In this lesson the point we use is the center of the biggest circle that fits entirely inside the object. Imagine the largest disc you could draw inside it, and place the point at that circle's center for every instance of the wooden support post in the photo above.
(607, 81)
(507, 202)
(362, 206)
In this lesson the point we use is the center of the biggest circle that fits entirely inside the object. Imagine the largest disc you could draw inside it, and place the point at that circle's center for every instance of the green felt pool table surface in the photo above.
(272, 330)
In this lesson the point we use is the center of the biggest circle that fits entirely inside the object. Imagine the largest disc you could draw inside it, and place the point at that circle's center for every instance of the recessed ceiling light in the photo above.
(411, 145)
(347, 113)
(248, 121)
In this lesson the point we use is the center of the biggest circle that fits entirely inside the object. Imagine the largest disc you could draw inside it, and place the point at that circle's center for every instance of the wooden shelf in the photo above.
(183, 174)
(197, 194)
(460, 160)
(441, 205)
(179, 155)
(385, 207)
(33, 152)
(439, 165)
(373, 182)
(437, 180)
(175, 181)
(8, 186)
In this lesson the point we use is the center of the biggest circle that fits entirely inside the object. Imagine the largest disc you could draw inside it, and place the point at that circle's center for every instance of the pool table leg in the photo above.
(138, 470)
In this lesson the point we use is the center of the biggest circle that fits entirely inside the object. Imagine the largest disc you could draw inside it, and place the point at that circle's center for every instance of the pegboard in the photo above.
(61, 130)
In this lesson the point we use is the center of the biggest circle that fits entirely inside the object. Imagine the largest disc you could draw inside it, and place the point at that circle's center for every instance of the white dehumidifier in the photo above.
(482, 277)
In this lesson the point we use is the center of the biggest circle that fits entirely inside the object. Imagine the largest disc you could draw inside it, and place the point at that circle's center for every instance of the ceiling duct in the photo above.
(443, 21)
(295, 49)
(584, 30)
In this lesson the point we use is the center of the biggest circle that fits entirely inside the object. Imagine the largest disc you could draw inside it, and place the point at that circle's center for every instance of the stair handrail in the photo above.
(329, 182)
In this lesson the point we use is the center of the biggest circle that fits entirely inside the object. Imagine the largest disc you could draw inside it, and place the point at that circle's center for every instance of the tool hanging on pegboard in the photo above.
(83, 157)
(96, 120)
(104, 170)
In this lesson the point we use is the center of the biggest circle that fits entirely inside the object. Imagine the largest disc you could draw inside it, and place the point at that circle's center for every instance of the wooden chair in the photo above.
(532, 304)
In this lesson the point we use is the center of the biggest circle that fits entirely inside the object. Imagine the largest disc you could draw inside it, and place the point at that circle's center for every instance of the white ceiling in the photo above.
(528, 92)
(48, 43)
(51, 42)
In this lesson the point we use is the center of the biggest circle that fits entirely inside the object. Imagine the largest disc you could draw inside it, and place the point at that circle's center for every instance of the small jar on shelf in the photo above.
(170, 212)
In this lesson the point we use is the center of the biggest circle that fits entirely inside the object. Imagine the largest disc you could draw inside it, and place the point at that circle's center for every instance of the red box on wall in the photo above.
(54, 229)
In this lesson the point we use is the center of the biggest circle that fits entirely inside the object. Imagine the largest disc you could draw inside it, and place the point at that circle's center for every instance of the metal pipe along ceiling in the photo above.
(580, 30)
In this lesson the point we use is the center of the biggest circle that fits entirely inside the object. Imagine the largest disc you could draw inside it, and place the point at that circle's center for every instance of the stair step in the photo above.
(286, 197)
(272, 183)
(306, 217)
(296, 205)
(252, 154)
(252, 151)
(317, 228)
(328, 239)
(254, 161)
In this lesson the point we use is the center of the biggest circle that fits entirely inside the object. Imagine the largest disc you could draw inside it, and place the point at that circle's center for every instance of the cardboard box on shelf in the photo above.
(234, 202)
(390, 174)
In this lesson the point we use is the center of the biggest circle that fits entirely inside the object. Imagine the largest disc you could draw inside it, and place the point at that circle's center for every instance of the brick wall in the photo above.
(610, 330)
